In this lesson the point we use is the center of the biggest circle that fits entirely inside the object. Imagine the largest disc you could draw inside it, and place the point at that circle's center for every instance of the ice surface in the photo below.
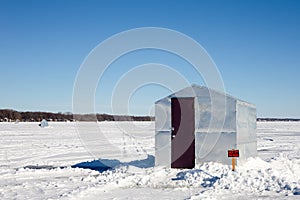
(37, 163)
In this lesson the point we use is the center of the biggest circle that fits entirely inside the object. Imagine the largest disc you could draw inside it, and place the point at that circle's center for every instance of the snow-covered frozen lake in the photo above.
(39, 163)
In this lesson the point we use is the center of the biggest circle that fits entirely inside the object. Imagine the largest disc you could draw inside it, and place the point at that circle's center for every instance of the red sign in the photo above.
(233, 153)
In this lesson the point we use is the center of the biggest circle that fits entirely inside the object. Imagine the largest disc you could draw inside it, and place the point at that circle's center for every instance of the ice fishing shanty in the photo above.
(198, 124)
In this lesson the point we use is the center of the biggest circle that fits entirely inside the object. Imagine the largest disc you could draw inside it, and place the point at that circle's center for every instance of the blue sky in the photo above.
(255, 45)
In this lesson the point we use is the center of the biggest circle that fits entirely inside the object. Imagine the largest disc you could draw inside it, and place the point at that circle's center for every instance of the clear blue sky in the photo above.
(255, 44)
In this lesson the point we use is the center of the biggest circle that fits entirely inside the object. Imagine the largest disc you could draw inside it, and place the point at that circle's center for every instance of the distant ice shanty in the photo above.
(44, 123)
(198, 124)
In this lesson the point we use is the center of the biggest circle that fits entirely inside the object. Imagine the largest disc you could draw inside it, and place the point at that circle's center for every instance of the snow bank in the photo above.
(256, 178)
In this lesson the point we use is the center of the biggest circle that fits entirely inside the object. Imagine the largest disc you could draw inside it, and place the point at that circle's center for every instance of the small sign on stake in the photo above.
(233, 153)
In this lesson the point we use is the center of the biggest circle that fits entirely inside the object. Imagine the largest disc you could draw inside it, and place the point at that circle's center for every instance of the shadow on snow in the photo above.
(102, 165)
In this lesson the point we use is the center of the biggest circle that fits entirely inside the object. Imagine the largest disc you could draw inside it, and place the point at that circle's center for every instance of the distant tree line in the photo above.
(12, 115)
(277, 119)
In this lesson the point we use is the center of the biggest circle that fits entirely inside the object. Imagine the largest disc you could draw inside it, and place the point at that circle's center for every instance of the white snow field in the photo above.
(36, 163)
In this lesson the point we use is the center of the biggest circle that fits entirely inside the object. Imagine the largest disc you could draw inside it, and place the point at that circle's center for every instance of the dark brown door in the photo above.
(183, 133)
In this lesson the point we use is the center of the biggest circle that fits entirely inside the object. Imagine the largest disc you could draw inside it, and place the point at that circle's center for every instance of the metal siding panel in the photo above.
(210, 149)
(163, 115)
(246, 130)
(221, 117)
(163, 133)
(163, 149)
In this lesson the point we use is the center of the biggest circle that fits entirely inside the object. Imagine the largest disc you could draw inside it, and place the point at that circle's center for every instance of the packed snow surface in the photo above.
(55, 163)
